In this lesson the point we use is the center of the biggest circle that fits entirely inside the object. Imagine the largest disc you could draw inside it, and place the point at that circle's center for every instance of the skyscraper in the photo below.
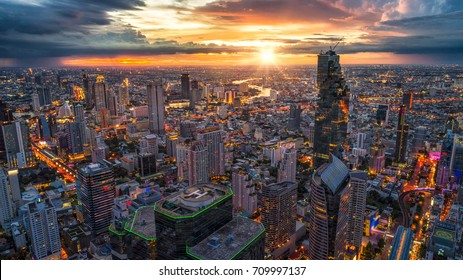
(198, 164)
(101, 93)
(294, 122)
(5, 117)
(402, 136)
(43, 230)
(456, 160)
(245, 194)
(96, 190)
(287, 165)
(185, 80)
(6, 200)
(78, 111)
(331, 117)
(87, 90)
(156, 108)
(35, 102)
(382, 114)
(278, 215)
(336, 211)
(212, 138)
(149, 145)
(44, 128)
(351, 217)
(75, 138)
(407, 99)
(16, 137)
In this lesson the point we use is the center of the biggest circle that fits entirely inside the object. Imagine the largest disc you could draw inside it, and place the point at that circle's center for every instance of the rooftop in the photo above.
(228, 241)
(142, 223)
(192, 200)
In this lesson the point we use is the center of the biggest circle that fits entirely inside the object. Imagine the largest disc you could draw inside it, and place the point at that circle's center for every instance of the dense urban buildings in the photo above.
(233, 162)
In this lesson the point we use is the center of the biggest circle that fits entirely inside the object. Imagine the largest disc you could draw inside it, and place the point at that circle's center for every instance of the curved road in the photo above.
(405, 211)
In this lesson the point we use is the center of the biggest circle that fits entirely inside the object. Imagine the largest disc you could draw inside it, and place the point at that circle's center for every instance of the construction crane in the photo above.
(332, 48)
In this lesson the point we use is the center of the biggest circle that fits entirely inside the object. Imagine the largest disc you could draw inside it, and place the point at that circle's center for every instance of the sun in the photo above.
(267, 56)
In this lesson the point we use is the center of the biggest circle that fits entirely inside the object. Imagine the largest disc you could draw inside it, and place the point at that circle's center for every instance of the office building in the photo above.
(16, 137)
(278, 202)
(13, 178)
(401, 244)
(78, 111)
(402, 136)
(155, 94)
(456, 160)
(287, 165)
(187, 217)
(7, 209)
(377, 159)
(407, 99)
(75, 137)
(213, 140)
(239, 239)
(146, 164)
(382, 114)
(245, 194)
(323, 192)
(198, 164)
(44, 96)
(331, 117)
(171, 143)
(96, 190)
(44, 129)
(43, 230)
(185, 81)
(349, 229)
(294, 122)
(101, 93)
(89, 100)
(149, 145)
(35, 102)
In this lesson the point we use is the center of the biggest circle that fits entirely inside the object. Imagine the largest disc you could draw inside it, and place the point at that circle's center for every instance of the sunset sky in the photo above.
(228, 32)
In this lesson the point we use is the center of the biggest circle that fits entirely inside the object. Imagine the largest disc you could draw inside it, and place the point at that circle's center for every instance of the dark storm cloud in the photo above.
(60, 16)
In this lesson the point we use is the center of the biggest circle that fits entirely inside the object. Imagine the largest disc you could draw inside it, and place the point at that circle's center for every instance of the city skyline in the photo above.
(247, 32)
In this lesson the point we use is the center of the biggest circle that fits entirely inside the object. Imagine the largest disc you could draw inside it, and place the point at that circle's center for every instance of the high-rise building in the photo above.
(96, 190)
(149, 145)
(147, 164)
(185, 81)
(331, 117)
(101, 93)
(401, 244)
(89, 100)
(35, 102)
(377, 158)
(278, 214)
(287, 166)
(212, 138)
(44, 96)
(43, 230)
(352, 204)
(382, 114)
(294, 122)
(16, 137)
(245, 194)
(407, 99)
(336, 207)
(187, 217)
(124, 92)
(75, 139)
(419, 138)
(156, 108)
(402, 136)
(78, 111)
(6, 200)
(113, 104)
(182, 161)
(13, 178)
(198, 164)
(456, 160)
(171, 143)
(6, 116)
(44, 128)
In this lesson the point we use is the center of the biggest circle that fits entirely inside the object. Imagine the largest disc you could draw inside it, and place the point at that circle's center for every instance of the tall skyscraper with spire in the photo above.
(331, 117)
